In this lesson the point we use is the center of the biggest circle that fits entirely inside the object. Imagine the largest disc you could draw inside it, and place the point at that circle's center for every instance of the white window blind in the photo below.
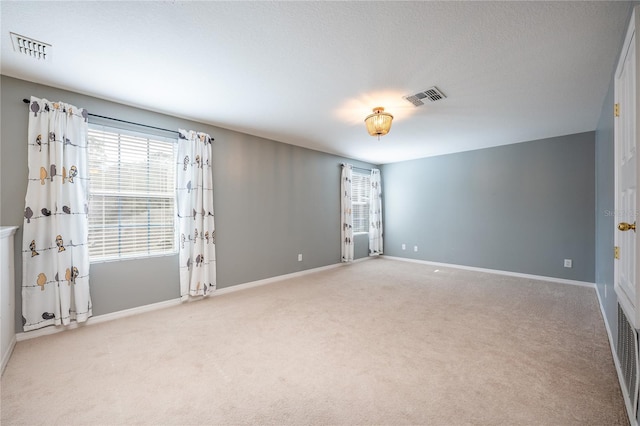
(132, 194)
(360, 184)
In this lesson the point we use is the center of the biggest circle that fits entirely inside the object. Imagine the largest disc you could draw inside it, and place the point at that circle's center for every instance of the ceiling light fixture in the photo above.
(378, 123)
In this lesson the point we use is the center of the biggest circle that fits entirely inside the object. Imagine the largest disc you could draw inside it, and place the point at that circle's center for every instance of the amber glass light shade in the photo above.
(378, 123)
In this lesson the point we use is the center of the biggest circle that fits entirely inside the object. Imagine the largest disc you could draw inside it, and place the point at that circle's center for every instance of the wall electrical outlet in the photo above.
(415, 248)
(568, 263)
(299, 257)
(404, 247)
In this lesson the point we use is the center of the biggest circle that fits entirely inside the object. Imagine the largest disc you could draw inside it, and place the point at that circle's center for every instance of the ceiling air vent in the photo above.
(30, 47)
(432, 94)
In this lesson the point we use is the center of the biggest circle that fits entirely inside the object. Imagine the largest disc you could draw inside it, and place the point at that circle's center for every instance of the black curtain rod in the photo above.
(27, 101)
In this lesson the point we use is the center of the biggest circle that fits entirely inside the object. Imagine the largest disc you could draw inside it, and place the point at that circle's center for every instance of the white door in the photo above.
(626, 180)
(626, 215)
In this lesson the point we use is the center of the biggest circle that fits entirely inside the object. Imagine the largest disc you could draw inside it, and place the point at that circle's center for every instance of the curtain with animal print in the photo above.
(196, 229)
(375, 213)
(55, 253)
(346, 230)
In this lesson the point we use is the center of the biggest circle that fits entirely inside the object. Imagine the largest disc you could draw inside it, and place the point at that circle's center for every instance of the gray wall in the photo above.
(272, 201)
(522, 208)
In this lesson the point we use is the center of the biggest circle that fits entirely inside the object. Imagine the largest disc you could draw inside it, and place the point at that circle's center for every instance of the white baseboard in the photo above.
(7, 355)
(252, 284)
(26, 335)
(497, 272)
(627, 403)
(257, 283)
(165, 304)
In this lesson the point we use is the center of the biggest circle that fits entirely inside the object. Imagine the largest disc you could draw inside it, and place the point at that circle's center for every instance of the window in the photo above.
(132, 194)
(360, 184)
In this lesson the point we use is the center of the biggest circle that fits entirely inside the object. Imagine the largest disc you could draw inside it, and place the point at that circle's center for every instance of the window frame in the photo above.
(362, 195)
(152, 140)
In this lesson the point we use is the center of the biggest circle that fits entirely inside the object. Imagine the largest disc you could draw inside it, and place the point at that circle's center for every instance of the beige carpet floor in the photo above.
(376, 342)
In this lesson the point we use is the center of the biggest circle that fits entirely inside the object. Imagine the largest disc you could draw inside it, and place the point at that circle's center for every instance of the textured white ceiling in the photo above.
(307, 73)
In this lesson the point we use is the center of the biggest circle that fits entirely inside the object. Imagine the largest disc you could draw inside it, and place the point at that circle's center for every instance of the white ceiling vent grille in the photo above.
(432, 94)
(30, 47)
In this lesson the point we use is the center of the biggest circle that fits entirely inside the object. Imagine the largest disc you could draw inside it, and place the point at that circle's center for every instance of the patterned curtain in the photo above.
(375, 214)
(55, 252)
(195, 215)
(346, 230)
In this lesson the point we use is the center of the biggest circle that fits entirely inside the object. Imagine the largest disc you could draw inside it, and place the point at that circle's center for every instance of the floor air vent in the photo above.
(628, 357)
